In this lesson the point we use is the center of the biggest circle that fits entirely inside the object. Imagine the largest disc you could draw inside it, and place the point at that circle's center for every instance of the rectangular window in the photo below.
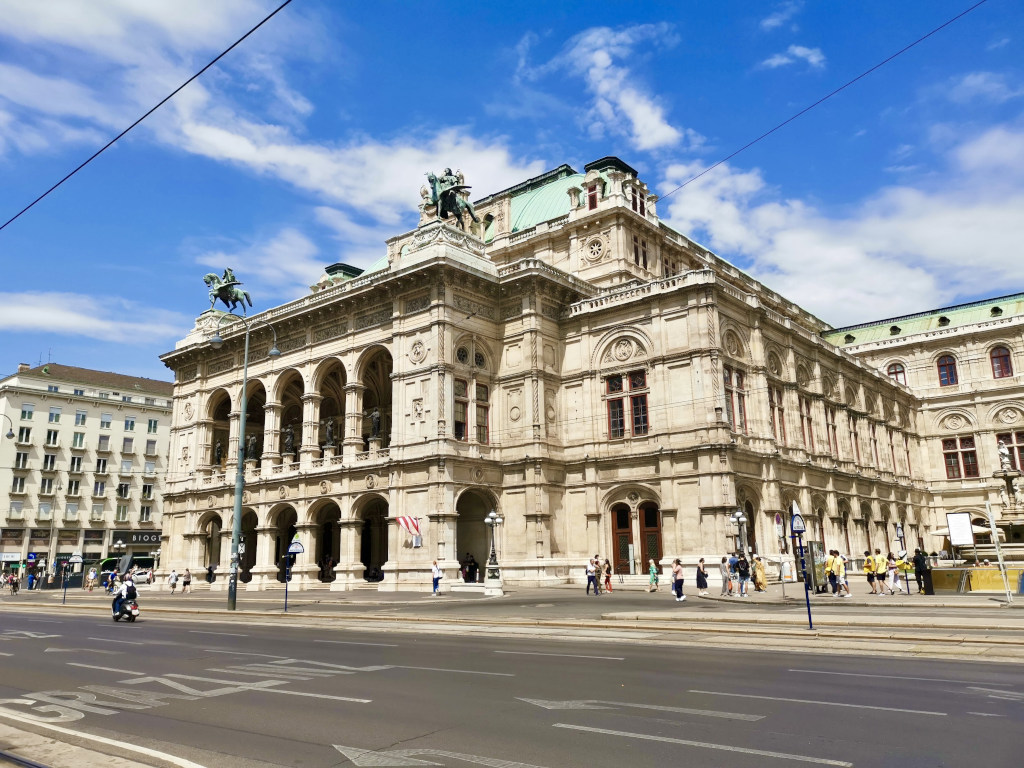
(639, 202)
(80, 392)
(73, 487)
(45, 511)
(24, 434)
(151, 426)
(21, 460)
(55, 414)
(76, 464)
(639, 406)
(126, 398)
(592, 197)
(616, 419)
(735, 399)
(27, 411)
(52, 436)
(104, 444)
(460, 415)
(147, 491)
(49, 462)
(105, 420)
(121, 516)
(78, 440)
(104, 395)
(18, 485)
(831, 431)
(128, 445)
(777, 411)
(129, 424)
(851, 422)
(874, 446)
(960, 457)
(71, 511)
(892, 448)
(614, 384)
(126, 466)
(52, 388)
(146, 514)
(101, 466)
(150, 468)
(80, 417)
(46, 486)
(149, 401)
(99, 488)
(151, 447)
(123, 490)
(806, 422)
(482, 413)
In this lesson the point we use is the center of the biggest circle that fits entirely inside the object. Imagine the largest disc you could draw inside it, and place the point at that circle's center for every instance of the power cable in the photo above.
(803, 111)
(163, 101)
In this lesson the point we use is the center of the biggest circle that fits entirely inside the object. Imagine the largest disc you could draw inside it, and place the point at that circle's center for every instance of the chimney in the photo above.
(22, 367)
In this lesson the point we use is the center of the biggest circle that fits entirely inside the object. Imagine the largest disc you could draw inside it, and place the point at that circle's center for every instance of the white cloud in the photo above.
(107, 319)
(620, 105)
(981, 86)
(997, 44)
(903, 248)
(785, 12)
(813, 56)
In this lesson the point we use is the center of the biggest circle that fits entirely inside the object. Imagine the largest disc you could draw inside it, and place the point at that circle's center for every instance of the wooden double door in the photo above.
(623, 537)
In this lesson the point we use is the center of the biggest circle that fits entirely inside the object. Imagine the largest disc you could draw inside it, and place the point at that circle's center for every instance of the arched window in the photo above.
(1001, 365)
(735, 399)
(897, 373)
(947, 371)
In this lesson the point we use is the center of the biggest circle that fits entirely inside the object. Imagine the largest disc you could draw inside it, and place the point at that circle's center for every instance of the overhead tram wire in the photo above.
(823, 99)
(163, 101)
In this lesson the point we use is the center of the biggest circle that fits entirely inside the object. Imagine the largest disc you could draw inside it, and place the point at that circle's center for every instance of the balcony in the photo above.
(101, 496)
(95, 517)
(78, 448)
(150, 454)
(75, 471)
(149, 472)
(45, 494)
(103, 449)
(101, 472)
(15, 492)
(128, 450)
(48, 470)
(70, 517)
(15, 514)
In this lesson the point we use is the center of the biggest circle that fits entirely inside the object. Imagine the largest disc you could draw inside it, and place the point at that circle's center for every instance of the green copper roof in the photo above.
(946, 317)
(544, 203)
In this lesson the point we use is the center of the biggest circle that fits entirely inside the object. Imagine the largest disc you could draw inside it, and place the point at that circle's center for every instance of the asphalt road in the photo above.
(234, 694)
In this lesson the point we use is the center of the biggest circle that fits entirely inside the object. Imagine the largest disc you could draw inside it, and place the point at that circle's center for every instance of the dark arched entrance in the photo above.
(286, 520)
(650, 533)
(472, 537)
(622, 540)
(247, 544)
(373, 539)
(328, 541)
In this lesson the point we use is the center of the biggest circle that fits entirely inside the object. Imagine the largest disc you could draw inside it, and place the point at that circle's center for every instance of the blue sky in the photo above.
(308, 143)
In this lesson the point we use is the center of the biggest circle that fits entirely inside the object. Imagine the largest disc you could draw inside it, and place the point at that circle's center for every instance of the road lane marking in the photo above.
(121, 642)
(105, 669)
(6, 654)
(706, 745)
(985, 714)
(459, 671)
(317, 695)
(228, 634)
(820, 703)
(1013, 695)
(598, 704)
(351, 642)
(894, 677)
(243, 653)
(81, 650)
(562, 655)
(181, 762)
(239, 671)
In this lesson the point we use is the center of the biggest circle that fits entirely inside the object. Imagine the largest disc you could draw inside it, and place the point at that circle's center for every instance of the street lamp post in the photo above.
(119, 547)
(493, 583)
(236, 521)
(10, 431)
(741, 522)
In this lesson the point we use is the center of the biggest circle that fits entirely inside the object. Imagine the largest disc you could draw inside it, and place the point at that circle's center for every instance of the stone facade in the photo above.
(84, 467)
(598, 379)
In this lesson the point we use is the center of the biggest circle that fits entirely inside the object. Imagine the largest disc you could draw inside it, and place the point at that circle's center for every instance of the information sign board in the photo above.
(961, 531)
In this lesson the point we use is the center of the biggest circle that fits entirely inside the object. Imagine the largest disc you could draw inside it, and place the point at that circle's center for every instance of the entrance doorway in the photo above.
(622, 539)
(286, 520)
(650, 533)
(472, 541)
(373, 543)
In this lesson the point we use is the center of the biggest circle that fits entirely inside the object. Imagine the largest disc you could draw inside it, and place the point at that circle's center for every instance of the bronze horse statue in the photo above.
(447, 194)
(228, 292)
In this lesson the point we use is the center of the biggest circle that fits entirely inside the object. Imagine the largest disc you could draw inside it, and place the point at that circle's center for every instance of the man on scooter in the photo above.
(127, 592)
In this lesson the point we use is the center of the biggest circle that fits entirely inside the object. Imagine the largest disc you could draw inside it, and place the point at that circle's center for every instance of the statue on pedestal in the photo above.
(226, 289)
(1005, 463)
(330, 432)
(450, 194)
(375, 423)
(289, 439)
(218, 453)
(250, 448)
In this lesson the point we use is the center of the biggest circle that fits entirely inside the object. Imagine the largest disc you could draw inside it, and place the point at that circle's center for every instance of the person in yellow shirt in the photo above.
(881, 570)
(830, 572)
(839, 567)
(869, 571)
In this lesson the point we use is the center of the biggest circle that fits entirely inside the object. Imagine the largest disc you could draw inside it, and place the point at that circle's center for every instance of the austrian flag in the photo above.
(411, 525)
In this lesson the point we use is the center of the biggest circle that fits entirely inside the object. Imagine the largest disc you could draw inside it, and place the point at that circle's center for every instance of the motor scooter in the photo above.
(129, 610)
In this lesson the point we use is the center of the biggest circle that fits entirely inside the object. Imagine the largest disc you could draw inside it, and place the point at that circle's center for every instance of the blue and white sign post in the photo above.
(295, 548)
(797, 528)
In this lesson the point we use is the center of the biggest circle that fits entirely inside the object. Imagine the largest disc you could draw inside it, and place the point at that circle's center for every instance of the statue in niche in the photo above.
(218, 453)
(375, 423)
(1004, 457)
(330, 432)
(251, 451)
(289, 439)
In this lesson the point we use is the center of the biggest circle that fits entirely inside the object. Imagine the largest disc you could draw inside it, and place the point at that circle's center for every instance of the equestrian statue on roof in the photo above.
(226, 289)
(450, 193)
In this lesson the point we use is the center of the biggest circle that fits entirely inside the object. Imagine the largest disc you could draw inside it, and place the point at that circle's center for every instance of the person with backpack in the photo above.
(743, 571)
(172, 580)
(127, 592)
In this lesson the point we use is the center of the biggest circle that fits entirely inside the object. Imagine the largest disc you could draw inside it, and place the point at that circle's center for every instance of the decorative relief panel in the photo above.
(188, 411)
(188, 372)
(376, 317)
(332, 331)
(468, 305)
(292, 343)
(623, 350)
(511, 309)
(418, 352)
(1009, 416)
(954, 422)
(220, 365)
(552, 311)
(417, 303)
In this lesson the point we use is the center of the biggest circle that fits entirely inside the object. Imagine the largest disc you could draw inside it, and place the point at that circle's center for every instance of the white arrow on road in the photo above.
(593, 704)
(78, 650)
(403, 757)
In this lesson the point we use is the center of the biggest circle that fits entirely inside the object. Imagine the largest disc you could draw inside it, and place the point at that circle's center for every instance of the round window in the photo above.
(462, 355)
(478, 360)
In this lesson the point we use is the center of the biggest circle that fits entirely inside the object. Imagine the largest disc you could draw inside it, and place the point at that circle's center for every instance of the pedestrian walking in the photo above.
(760, 579)
(209, 574)
(186, 581)
(726, 577)
(172, 580)
(91, 578)
(652, 585)
(869, 571)
(841, 575)
(893, 570)
(607, 575)
(435, 576)
(702, 579)
(677, 580)
(830, 572)
(592, 576)
(921, 565)
(881, 570)
(743, 571)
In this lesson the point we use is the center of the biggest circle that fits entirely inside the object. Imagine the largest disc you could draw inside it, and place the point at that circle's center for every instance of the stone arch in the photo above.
(329, 381)
(248, 544)
(479, 353)
(609, 353)
(735, 342)
(375, 367)
(1006, 415)
(775, 361)
(211, 525)
(631, 494)
(283, 519)
(219, 406)
(288, 389)
(325, 516)
(472, 536)
(255, 419)
(954, 419)
(374, 534)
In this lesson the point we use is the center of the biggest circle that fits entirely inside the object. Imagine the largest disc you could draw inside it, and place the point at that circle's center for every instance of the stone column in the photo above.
(352, 442)
(204, 443)
(223, 569)
(349, 570)
(264, 572)
(271, 435)
(305, 571)
(310, 448)
(231, 449)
